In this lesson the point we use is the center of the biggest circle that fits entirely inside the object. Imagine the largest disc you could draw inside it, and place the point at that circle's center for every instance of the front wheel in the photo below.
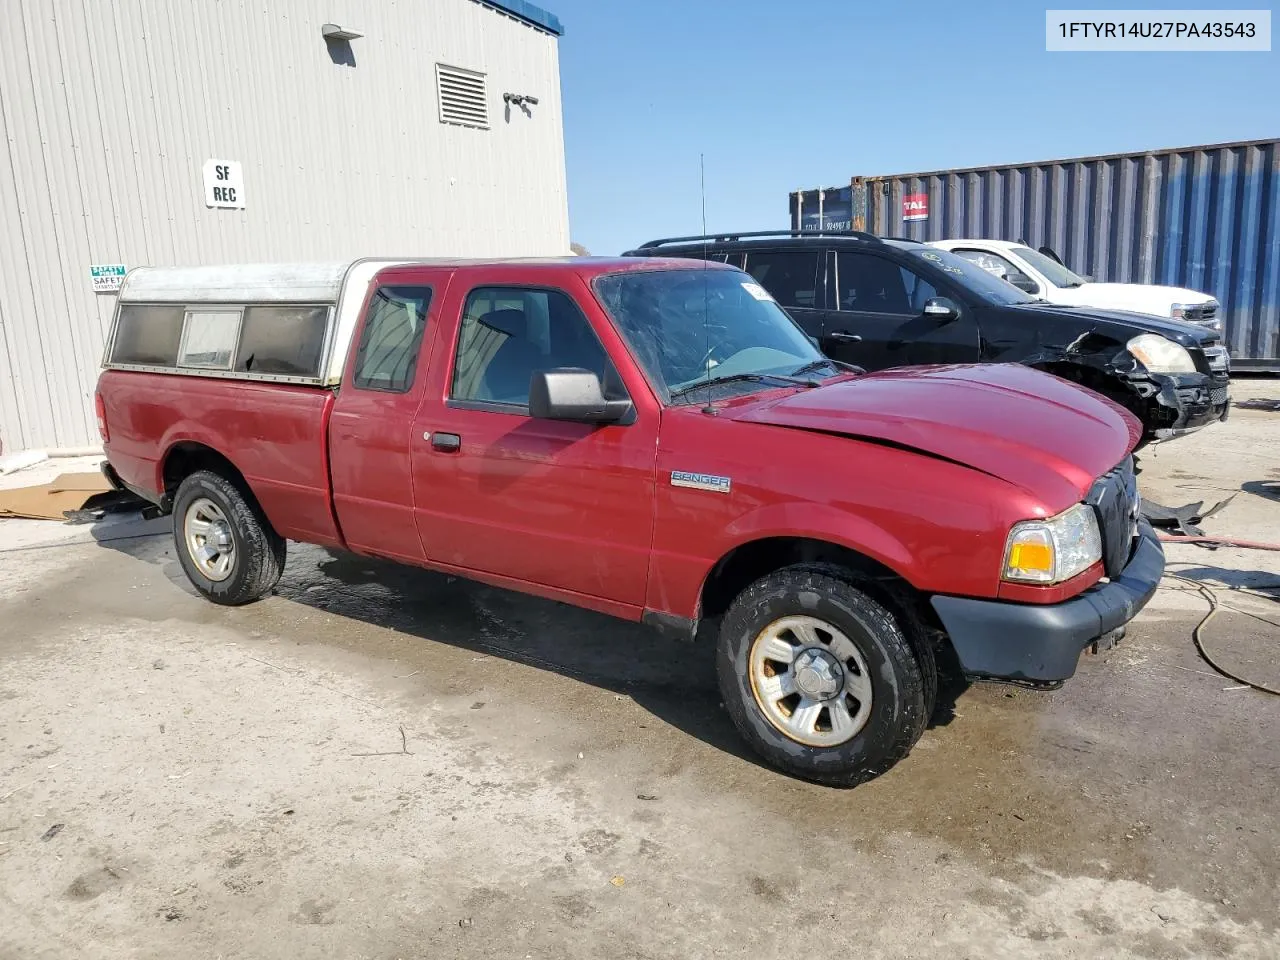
(819, 678)
(226, 546)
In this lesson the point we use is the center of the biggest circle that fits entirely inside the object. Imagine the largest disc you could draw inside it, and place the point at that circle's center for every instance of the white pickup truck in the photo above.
(1044, 276)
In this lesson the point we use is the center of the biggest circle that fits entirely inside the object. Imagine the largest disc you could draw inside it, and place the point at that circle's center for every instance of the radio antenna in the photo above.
(706, 296)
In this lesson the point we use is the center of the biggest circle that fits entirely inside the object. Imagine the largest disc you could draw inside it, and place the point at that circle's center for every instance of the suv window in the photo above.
(392, 337)
(510, 333)
(875, 285)
(919, 290)
(790, 275)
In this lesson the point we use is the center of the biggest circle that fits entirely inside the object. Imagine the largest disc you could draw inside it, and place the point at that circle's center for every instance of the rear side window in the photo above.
(387, 356)
(790, 275)
(285, 341)
(148, 335)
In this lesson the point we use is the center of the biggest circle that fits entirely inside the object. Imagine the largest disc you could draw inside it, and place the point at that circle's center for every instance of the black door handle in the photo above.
(446, 442)
(846, 337)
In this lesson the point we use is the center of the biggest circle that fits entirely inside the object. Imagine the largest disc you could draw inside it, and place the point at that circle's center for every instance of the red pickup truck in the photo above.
(654, 439)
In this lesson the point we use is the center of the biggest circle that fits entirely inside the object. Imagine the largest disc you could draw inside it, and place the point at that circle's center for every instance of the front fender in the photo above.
(823, 522)
(678, 578)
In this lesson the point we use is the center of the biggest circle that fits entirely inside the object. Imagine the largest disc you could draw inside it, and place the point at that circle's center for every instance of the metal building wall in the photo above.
(109, 109)
(1207, 218)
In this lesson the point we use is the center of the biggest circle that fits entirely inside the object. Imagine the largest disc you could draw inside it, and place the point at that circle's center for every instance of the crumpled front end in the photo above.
(1178, 404)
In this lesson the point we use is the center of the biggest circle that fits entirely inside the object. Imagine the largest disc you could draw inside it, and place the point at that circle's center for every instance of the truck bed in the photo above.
(275, 433)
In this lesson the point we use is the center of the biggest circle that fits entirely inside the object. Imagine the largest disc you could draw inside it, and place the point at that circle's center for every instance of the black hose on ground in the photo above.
(1197, 636)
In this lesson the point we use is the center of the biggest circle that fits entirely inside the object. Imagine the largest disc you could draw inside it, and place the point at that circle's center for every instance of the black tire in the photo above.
(902, 687)
(901, 605)
(259, 554)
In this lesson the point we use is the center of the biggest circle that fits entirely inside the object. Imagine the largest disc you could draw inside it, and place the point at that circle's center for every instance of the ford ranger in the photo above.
(651, 438)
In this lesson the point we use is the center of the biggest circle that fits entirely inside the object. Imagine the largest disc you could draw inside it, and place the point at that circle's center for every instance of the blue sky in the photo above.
(803, 94)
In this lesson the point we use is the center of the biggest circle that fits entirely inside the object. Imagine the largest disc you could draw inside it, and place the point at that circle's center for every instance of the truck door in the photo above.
(560, 504)
(882, 302)
(371, 428)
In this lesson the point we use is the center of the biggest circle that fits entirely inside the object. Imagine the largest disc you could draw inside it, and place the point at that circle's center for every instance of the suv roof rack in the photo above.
(723, 237)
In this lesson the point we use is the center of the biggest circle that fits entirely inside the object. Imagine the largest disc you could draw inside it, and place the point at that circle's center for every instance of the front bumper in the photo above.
(1019, 641)
(1194, 407)
(1179, 404)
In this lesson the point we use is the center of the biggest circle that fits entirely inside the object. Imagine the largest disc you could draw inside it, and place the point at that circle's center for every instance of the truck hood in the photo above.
(1050, 437)
(1144, 298)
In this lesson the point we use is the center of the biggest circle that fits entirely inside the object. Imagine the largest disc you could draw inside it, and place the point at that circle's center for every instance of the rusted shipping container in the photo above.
(1204, 217)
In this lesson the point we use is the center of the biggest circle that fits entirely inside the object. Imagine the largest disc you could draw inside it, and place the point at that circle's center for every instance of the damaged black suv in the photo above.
(881, 303)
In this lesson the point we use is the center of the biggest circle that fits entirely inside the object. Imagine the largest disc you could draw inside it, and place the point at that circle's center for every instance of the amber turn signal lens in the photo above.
(1031, 556)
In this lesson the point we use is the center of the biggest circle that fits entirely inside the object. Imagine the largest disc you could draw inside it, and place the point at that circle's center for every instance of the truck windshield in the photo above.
(689, 327)
(985, 287)
(1053, 271)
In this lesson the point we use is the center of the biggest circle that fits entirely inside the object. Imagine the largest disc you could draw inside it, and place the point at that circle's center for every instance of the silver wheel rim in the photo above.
(811, 681)
(209, 541)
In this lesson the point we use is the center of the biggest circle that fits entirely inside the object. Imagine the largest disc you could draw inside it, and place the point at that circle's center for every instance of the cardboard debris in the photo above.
(49, 501)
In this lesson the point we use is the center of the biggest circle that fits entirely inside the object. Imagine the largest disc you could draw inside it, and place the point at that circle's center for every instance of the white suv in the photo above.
(1044, 276)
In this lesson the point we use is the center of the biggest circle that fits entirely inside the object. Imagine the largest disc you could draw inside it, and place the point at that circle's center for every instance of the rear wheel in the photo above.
(226, 546)
(820, 679)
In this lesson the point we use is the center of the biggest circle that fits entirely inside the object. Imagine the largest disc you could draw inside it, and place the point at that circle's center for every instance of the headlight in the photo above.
(1053, 550)
(1161, 355)
(1178, 311)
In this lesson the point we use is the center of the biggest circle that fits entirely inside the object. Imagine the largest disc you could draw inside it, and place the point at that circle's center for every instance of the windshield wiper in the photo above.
(827, 362)
(738, 378)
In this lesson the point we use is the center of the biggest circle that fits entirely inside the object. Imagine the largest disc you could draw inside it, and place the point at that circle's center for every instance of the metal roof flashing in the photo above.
(533, 15)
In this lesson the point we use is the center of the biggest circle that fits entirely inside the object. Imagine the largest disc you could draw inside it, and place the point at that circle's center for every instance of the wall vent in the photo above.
(462, 95)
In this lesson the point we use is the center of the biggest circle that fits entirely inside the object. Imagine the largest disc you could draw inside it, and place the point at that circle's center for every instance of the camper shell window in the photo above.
(252, 341)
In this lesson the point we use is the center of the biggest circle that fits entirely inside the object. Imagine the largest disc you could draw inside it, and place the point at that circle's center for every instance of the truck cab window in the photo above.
(790, 275)
(387, 356)
(509, 333)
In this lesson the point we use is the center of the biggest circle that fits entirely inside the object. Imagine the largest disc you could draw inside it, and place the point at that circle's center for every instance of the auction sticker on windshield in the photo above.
(757, 291)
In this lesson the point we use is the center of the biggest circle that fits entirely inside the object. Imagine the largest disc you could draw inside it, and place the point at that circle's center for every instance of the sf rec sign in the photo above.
(223, 184)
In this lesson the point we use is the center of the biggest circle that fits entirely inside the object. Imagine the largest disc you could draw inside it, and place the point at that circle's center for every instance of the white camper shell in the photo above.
(288, 323)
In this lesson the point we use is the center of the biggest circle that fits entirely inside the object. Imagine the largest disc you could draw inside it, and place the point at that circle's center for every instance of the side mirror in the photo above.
(941, 309)
(1023, 283)
(570, 393)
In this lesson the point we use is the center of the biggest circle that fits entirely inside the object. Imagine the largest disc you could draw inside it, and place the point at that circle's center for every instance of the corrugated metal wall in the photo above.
(111, 107)
(1207, 218)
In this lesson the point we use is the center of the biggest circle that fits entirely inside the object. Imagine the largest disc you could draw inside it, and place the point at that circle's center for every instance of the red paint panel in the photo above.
(272, 433)
(939, 525)
(372, 438)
